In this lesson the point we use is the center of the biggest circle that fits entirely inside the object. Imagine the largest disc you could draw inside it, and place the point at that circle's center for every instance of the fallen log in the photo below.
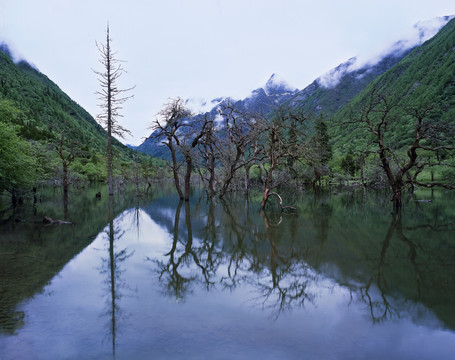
(49, 220)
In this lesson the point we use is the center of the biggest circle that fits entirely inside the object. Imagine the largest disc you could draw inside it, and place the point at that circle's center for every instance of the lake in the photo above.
(151, 277)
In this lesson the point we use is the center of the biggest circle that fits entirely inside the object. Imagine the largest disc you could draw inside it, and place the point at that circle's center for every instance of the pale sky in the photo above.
(201, 48)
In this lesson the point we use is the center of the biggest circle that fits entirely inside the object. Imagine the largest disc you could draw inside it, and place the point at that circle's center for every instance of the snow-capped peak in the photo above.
(276, 85)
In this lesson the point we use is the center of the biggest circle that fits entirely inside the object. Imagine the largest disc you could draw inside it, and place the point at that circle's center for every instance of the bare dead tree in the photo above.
(379, 112)
(166, 129)
(187, 145)
(237, 150)
(112, 99)
(275, 143)
(208, 155)
(226, 145)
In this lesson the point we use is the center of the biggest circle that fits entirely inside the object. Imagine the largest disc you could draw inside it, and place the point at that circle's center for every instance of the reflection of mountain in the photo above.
(389, 264)
(32, 253)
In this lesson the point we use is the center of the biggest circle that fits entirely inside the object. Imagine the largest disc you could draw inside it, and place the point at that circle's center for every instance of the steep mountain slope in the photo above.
(326, 98)
(42, 114)
(425, 77)
(330, 92)
(48, 109)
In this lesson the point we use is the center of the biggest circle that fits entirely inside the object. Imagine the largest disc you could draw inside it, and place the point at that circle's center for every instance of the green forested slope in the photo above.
(425, 77)
(35, 116)
(318, 99)
(48, 110)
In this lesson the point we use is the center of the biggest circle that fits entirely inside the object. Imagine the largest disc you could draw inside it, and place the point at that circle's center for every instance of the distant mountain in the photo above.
(327, 94)
(264, 100)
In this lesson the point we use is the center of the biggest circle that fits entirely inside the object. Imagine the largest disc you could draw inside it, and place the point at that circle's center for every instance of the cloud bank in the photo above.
(421, 32)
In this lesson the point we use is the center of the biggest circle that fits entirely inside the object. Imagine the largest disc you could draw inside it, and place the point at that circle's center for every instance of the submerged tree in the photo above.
(208, 155)
(275, 145)
(429, 135)
(112, 99)
(166, 129)
(238, 149)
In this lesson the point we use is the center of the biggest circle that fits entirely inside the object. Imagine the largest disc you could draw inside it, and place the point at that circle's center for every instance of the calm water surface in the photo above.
(154, 278)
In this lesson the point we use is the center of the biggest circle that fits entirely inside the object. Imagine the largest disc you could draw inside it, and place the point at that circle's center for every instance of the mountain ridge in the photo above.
(424, 78)
(326, 95)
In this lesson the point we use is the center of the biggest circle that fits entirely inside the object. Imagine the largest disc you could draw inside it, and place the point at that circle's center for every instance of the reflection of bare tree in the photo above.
(240, 261)
(208, 252)
(114, 283)
(177, 284)
(289, 287)
(380, 308)
(242, 246)
(261, 256)
(236, 246)
(376, 293)
(181, 258)
(288, 276)
(251, 253)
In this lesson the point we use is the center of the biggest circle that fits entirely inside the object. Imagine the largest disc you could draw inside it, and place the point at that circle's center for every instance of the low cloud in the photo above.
(421, 32)
(15, 56)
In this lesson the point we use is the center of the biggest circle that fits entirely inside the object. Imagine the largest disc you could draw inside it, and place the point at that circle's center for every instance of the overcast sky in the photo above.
(201, 48)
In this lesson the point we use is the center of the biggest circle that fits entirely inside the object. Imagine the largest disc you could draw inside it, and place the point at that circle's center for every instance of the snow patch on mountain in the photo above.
(202, 106)
(277, 86)
(275, 91)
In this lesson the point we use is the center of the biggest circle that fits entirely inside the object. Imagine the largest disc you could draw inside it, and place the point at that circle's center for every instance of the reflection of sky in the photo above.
(69, 316)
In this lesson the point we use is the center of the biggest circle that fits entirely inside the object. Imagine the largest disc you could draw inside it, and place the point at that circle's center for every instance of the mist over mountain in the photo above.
(4, 48)
(421, 32)
(30, 90)
(425, 77)
(325, 95)
(15, 58)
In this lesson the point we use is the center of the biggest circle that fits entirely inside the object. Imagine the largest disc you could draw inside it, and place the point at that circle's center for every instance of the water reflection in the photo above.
(287, 257)
(165, 276)
(420, 266)
(32, 253)
(114, 285)
(233, 252)
(175, 273)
